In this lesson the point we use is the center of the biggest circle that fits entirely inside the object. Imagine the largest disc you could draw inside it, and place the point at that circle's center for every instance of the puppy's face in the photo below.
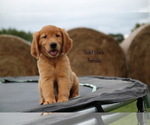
(50, 41)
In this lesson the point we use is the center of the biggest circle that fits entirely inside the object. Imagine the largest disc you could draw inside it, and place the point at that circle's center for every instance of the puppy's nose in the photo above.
(53, 45)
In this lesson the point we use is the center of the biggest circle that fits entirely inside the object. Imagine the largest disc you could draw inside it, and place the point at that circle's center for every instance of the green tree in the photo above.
(118, 37)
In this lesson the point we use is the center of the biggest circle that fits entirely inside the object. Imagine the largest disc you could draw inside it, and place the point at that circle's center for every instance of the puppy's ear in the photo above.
(67, 41)
(35, 46)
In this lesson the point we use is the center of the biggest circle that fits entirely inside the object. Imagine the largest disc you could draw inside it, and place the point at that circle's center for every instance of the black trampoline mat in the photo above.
(23, 96)
(16, 96)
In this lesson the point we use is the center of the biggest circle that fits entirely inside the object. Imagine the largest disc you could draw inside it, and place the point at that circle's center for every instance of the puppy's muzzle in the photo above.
(53, 45)
(53, 52)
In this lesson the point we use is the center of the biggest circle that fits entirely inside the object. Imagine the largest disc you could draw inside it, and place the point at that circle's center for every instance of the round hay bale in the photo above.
(138, 54)
(15, 58)
(95, 53)
(127, 42)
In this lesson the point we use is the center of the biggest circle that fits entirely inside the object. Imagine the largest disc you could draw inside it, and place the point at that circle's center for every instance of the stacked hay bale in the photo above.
(95, 53)
(137, 49)
(15, 57)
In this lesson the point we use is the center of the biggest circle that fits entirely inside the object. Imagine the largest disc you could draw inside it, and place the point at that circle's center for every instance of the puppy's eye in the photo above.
(45, 36)
(57, 35)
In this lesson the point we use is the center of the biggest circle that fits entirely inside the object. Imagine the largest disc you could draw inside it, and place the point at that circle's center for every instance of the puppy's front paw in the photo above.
(49, 101)
(63, 100)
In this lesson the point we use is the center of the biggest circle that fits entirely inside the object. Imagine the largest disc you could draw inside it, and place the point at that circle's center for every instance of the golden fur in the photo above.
(57, 82)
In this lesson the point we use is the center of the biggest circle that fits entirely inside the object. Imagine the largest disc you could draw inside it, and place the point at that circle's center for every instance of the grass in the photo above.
(131, 118)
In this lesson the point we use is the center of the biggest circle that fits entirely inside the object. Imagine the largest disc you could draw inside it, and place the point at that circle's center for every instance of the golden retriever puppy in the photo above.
(57, 82)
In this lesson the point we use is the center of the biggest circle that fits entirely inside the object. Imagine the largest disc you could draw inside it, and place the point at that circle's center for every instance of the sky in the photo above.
(108, 16)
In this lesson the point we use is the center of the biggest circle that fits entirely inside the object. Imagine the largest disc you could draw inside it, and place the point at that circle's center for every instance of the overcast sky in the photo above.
(108, 16)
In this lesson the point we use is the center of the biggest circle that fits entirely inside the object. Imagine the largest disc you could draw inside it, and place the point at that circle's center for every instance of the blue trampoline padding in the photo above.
(19, 94)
